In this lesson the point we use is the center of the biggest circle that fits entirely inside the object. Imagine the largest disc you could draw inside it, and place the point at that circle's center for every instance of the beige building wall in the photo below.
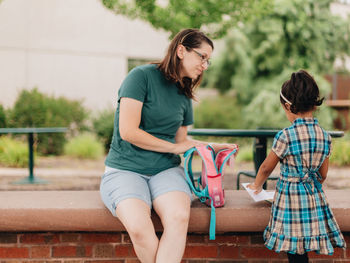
(76, 48)
(342, 9)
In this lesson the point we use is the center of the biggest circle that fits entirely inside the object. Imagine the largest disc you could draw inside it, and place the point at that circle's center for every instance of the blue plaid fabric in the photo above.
(301, 219)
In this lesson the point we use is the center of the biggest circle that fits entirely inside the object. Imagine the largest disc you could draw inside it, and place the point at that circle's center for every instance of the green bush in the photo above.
(341, 151)
(13, 153)
(245, 154)
(34, 109)
(2, 117)
(220, 112)
(84, 146)
(103, 125)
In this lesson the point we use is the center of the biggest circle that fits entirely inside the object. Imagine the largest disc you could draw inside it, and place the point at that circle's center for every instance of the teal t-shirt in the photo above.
(164, 110)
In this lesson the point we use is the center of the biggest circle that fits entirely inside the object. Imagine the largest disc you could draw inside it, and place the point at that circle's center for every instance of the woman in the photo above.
(150, 130)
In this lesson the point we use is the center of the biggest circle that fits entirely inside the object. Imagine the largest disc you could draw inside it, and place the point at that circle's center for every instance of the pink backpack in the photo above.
(209, 186)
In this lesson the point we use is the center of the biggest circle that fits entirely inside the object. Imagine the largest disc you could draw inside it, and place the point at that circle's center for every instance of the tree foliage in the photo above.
(260, 55)
(2, 117)
(35, 109)
(216, 17)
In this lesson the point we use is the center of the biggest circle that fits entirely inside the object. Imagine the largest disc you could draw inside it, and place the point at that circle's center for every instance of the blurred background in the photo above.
(62, 63)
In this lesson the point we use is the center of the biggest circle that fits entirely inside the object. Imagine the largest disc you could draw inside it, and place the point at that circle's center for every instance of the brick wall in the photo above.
(88, 247)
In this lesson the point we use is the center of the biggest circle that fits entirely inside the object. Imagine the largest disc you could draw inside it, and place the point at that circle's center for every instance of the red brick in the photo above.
(258, 252)
(228, 252)
(88, 251)
(39, 238)
(257, 240)
(101, 238)
(338, 253)
(123, 251)
(201, 252)
(347, 239)
(132, 261)
(8, 238)
(195, 239)
(71, 251)
(40, 252)
(14, 252)
(64, 251)
(104, 261)
(126, 239)
(133, 253)
(70, 237)
(104, 251)
(232, 239)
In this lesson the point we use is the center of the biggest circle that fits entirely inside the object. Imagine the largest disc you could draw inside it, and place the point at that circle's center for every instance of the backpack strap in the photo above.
(224, 157)
(201, 193)
(211, 181)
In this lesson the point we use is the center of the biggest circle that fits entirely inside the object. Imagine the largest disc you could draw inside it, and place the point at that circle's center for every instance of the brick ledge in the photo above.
(84, 211)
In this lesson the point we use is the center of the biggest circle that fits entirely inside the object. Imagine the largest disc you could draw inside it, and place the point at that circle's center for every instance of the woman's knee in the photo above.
(140, 231)
(177, 219)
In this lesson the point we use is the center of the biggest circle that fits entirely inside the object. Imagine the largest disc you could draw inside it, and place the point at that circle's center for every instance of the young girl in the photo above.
(301, 219)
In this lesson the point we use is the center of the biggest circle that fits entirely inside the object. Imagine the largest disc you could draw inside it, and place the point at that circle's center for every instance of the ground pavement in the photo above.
(64, 173)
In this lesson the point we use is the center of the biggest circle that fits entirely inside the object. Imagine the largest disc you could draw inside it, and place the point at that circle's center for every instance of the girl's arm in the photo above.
(264, 172)
(324, 170)
(129, 122)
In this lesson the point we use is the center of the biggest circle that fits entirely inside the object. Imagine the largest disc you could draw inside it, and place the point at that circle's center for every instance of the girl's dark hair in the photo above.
(302, 91)
(170, 65)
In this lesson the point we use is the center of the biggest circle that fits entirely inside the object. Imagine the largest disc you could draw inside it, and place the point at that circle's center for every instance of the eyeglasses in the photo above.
(203, 58)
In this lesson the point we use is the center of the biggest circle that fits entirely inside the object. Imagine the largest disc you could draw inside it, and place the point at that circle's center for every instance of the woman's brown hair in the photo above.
(170, 65)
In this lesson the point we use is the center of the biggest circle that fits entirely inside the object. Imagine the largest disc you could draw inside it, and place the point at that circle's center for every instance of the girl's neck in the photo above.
(292, 117)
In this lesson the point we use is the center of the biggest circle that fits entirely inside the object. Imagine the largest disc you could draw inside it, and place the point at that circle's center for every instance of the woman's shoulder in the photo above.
(146, 68)
(141, 73)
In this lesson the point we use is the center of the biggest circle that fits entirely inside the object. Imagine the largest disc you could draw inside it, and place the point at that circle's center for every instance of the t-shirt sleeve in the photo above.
(134, 85)
(280, 144)
(188, 114)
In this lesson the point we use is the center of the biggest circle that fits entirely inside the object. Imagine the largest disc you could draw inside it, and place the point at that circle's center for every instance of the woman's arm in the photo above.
(324, 170)
(181, 136)
(264, 172)
(129, 122)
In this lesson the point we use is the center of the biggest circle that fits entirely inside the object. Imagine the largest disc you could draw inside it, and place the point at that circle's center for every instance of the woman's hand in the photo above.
(253, 186)
(219, 146)
(183, 146)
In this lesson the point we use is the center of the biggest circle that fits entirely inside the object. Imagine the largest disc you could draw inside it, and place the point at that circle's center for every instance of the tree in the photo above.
(173, 15)
(261, 54)
(2, 117)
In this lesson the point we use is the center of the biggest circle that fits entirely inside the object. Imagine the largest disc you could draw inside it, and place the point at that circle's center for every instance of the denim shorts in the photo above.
(118, 185)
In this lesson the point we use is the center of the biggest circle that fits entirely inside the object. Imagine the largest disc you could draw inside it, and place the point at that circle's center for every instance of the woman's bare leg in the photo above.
(173, 209)
(135, 215)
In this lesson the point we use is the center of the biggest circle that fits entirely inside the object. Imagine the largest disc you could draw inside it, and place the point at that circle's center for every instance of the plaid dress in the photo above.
(301, 219)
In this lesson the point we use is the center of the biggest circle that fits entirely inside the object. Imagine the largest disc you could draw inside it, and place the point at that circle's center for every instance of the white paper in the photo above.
(263, 195)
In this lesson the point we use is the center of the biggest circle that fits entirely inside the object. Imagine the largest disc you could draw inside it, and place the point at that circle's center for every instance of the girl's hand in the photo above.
(253, 186)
